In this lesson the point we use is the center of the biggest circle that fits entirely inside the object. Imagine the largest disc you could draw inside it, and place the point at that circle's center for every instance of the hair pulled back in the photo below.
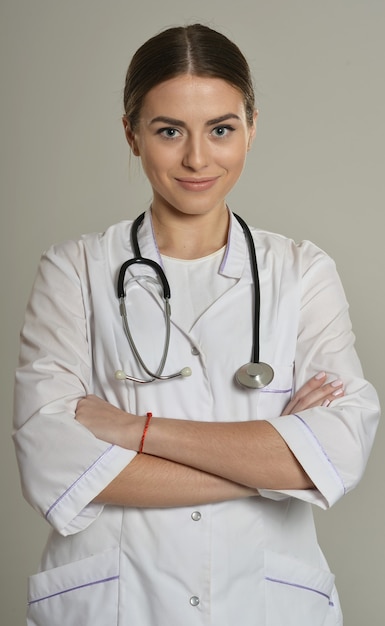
(195, 49)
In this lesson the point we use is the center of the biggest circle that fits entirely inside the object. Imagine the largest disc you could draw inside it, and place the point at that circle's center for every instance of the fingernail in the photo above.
(336, 383)
(325, 403)
(338, 392)
(320, 375)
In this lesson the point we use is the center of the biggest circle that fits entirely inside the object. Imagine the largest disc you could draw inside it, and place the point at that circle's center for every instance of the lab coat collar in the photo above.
(234, 258)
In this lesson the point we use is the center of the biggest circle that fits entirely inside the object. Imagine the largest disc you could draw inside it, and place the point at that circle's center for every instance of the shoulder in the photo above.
(90, 247)
(276, 246)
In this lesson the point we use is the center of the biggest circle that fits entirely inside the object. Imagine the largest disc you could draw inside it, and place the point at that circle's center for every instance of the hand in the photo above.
(316, 392)
(109, 423)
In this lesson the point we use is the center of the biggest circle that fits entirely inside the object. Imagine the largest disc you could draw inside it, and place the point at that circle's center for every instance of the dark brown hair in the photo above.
(195, 49)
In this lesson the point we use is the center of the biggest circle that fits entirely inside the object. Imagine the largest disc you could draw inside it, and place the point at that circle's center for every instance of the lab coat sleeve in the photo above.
(331, 443)
(62, 465)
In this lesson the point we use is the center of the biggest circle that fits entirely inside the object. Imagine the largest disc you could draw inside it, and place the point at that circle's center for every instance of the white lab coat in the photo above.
(251, 562)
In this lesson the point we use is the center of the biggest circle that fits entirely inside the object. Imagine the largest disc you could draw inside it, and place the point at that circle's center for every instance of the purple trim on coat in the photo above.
(59, 593)
(268, 390)
(226, 254)
(77, 480)
(323, 451)
(298, 586)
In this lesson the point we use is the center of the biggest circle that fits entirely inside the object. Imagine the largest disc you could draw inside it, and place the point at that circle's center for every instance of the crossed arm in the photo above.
(188, 463)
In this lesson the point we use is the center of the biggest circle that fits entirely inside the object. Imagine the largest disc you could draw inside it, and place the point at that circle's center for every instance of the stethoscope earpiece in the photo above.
(120, 375)
(184, 373)
(254, 375)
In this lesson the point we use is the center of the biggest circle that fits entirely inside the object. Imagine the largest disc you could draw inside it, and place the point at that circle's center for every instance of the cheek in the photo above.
(233, 155)
(155, 171)
(235, 164)
(156, 161)
(149, 164)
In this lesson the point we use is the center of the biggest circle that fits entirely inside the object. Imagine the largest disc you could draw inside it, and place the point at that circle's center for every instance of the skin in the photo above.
(192, 454)
(192, 139)
(190, 224)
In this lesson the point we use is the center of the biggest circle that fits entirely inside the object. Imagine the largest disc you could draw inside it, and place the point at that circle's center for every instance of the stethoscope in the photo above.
(253, 375)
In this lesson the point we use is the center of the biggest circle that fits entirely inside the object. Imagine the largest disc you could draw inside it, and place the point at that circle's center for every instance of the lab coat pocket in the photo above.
(276, 395)
(83, 592)
(298, 595)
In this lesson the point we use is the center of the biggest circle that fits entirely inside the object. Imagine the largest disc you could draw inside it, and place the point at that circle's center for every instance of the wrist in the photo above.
(131, 430)
(144, 434)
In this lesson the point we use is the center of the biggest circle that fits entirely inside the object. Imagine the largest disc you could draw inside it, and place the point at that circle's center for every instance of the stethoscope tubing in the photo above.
(257, 291)
(139, 260)
(253, 375)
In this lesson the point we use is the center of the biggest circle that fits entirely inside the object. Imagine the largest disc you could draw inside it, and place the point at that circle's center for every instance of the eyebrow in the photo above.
(174, 122)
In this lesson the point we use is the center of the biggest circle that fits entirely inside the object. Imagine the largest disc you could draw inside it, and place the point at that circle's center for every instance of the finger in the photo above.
(312, 400)
(337, 392)
(314, 383)
(311, 385)
(312, 394)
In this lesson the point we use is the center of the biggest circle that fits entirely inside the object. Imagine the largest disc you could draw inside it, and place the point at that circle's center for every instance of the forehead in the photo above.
(193, 96)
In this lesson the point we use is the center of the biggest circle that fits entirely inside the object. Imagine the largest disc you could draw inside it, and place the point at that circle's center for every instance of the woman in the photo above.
(188, 500)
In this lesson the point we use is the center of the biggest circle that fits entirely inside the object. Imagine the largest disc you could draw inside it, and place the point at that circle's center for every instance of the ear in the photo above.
(130, 136)
(253, 130)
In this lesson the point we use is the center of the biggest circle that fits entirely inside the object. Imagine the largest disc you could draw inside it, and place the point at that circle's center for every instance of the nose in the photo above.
(196, 155)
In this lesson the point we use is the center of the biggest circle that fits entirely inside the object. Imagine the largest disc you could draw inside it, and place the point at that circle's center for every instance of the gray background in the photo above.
(316, 171)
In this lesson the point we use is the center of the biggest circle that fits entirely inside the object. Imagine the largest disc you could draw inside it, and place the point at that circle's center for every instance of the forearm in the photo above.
(149, 481)
(249, 453)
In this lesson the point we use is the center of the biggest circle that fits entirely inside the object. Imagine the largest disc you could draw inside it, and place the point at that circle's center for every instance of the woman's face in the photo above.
(192, 138)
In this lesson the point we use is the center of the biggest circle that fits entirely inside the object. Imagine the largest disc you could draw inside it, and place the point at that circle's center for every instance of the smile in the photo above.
(197, 184)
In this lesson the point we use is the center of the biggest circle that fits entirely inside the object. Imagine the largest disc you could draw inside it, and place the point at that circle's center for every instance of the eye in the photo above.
(222, 131)
(168, 132)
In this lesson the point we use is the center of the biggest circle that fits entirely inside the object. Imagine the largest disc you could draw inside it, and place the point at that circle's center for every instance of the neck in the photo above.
(190, 236)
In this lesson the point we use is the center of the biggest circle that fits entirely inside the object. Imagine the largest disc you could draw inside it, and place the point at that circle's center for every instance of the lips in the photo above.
(197, 184)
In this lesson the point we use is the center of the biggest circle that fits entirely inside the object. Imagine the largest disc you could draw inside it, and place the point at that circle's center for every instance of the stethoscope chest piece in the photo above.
(255, 375)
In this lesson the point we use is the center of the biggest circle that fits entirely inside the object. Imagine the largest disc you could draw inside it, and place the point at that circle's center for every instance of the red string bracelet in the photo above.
(145, 429)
